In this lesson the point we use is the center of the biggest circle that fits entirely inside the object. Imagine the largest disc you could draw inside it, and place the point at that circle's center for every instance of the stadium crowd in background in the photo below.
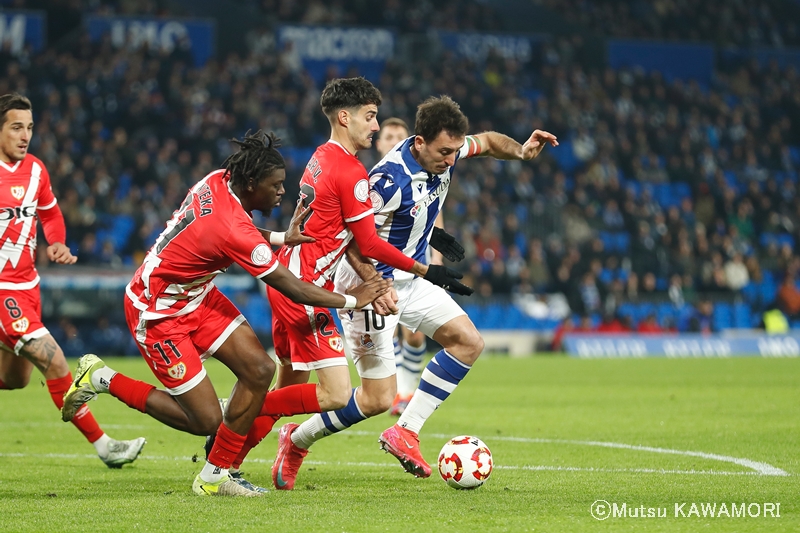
(664, 189)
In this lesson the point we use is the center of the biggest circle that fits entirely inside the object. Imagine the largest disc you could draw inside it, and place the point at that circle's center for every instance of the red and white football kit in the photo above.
(336, 186)
(25, 194)
(177, 315)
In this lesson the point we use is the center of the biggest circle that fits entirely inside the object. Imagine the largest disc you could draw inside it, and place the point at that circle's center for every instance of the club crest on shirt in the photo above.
(21, 325)
(366, 341)
(336, 343)
(177, 371)
(18, 191)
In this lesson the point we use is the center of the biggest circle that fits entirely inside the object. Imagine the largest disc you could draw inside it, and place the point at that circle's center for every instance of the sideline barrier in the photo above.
(589, 346)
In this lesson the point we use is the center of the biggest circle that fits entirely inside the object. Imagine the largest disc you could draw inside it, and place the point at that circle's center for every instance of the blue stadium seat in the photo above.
(750, 292)
(606, 276)
(566, 157)
(645, 309)
(125, 180)
(665, 311)
(723, 316)
(741, 315)
(766, 238)
(623, 242)
(608, 241)
(786, 238)
(768, 291)
(494, 317)
(681, 190)
(627, 309)
(121, 230)
(794, 152)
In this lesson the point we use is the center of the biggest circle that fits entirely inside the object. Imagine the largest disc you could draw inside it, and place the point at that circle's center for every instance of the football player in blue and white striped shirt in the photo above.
(409, 346)
(408, 187)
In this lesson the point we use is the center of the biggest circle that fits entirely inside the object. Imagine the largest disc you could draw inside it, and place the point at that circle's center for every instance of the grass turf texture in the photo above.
(524, 409)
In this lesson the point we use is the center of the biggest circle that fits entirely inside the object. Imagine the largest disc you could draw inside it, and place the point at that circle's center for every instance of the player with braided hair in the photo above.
(179, 318)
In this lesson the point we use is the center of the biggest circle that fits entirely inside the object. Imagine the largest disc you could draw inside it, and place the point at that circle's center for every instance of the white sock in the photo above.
(101, 378)
(212, 473)
(101, 445)
(409, 373)
(309, 432)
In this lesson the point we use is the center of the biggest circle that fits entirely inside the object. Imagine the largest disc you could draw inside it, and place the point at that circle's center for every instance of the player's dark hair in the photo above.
(437, 114)
(257, 158)
(348, 93)
(12, 101)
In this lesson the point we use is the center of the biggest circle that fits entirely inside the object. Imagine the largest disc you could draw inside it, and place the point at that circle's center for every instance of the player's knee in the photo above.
(471, 343)
(416, 340)
(16, 382)
(375, 404)
(337, 399)
(205, 425)
(260, 373)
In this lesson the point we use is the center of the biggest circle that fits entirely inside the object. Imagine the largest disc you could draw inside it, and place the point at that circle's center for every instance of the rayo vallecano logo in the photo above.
(177, 371)
(336, 343)
(21, 325)
(18, 191)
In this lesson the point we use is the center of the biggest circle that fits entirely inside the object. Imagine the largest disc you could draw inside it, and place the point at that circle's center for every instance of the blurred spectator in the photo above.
(566, 326)
(702, 321)
(788, 297)
(612, 324)
(736, 273)
(649, 325)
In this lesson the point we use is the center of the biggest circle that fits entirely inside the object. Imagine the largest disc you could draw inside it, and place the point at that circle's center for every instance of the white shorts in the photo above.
(368, 337)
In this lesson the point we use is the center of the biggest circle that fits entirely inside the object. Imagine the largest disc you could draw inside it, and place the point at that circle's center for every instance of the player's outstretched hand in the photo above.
(294, 235)
(447, 245)
(387, 304)
(368, 291)
(536, 143)
(447, 278)
(59, 253)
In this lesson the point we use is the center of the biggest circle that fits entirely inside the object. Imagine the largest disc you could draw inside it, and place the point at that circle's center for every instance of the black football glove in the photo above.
(447, 278)
(447, 245)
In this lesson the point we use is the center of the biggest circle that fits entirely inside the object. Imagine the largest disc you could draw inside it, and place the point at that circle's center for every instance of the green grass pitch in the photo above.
(564, 433)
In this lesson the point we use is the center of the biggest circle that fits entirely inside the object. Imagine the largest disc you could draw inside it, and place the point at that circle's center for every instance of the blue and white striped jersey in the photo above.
(407, 199)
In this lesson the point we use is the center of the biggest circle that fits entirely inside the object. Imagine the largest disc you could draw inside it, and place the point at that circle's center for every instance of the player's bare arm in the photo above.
(293, 234)
(499, 146)
(61, 254)
(384, 304)
(308, 294)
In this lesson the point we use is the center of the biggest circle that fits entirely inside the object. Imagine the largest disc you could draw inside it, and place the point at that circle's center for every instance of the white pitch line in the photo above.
(395, 465)
(760, 468)
(763, 469)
